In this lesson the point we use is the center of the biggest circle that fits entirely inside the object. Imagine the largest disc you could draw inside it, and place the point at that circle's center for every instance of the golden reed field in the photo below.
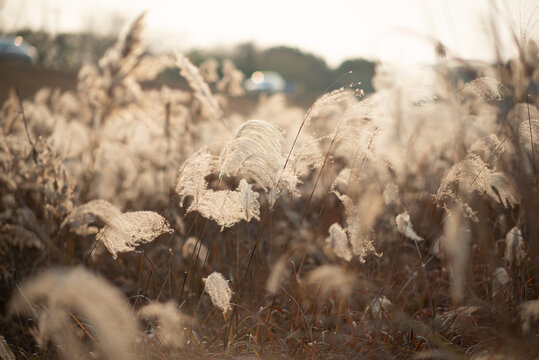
(164, 223)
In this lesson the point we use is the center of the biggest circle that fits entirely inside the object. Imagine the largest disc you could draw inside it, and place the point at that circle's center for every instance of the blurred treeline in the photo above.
(306, 73)
(66, 51)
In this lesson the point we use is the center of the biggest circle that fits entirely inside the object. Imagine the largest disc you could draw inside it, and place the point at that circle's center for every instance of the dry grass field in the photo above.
(153, 222)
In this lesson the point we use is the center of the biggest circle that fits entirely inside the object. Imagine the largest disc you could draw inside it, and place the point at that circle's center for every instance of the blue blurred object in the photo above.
(16, 49)
(265, 81)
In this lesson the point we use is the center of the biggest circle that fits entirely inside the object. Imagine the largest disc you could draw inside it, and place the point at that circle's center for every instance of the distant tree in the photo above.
(246, 57)
(309, 73)
(64, 51)
(197, 56)
(41, 40)
(362, 71)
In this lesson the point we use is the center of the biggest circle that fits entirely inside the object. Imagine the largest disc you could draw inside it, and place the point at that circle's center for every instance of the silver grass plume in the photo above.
(122, 232)
(529, 311)
(169, 322)
(490, 147)
(331, 98)
(338, 242)
(201, 89)
(456, 246)
(486, 88)
(379, 307)
(391, 193)
(473, 174)
(55, 296)
(208, 70)
(278, 272)
(232, 81)
(256, 152)
(359, 217)
(217, 287)
(528, 138)
(345, 177)
(515, 251)
(149, 67)
(528, 134)
(5, 351)
(83, 215)
(125, 232)
(355, 133)
(113, 81)
(327, 280)
(191, 177)
(307, 157)
(125, 55)
(499, 281)
(361, 240)
(404, 226)
(226, 207)
(193, 248)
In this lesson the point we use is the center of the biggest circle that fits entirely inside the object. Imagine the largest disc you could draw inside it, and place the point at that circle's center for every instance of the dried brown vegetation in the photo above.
(156, 224)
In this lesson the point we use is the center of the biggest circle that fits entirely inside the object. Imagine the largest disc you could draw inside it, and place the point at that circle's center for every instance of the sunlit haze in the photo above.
(397, 31)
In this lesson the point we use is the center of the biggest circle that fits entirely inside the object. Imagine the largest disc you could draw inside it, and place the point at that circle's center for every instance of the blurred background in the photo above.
(299, 47)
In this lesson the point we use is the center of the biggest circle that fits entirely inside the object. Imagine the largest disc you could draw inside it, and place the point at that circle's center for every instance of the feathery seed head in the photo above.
(217, 287)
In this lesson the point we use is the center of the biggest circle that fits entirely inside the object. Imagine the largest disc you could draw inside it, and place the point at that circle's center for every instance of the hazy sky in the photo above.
(392, 30)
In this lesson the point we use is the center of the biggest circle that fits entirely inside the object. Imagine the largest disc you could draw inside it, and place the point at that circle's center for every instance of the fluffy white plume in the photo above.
(391, 193)
(515, 252)
(404, 225)
(55, 296)
(169, 322)
(125, 232)
(202, 91)
(217, 287)
(228, 207)
(82, 215)
(331, 98)
(529, 311)
(528, 137)
(256, 153)
(193, 249)
(191, 176)
(5, 351)
(490, 146)
(361, 217)
(379, 307)
(500, 280)
(473, 174)
(278, 272)
(338, 242)
(326, 280)
(485, 87)
(122, 232)
(456, 245)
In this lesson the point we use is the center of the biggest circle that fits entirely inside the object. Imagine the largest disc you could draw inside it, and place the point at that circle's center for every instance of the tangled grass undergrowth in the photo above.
(156, 224)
